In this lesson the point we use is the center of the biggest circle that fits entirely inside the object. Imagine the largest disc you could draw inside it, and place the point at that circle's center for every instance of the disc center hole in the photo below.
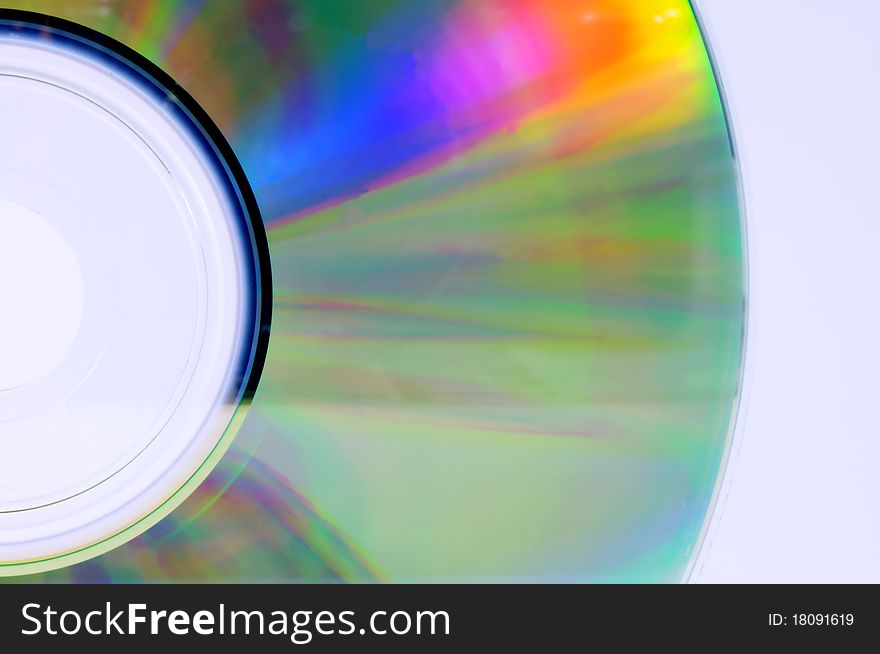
(41, 296)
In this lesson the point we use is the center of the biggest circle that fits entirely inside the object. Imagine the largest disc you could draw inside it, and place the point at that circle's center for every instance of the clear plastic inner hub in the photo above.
(123, 299)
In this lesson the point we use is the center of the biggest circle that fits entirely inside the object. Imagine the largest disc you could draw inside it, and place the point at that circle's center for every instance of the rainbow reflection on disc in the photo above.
(508, 269)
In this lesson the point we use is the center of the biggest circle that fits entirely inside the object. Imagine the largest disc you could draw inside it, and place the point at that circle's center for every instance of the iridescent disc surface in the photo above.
(508, 269)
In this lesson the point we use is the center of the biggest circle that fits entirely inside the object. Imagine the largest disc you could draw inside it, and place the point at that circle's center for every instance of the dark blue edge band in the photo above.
(216, 150)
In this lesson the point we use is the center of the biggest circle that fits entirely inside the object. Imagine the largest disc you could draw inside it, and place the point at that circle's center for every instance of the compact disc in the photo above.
(131, 297)
(508, 288)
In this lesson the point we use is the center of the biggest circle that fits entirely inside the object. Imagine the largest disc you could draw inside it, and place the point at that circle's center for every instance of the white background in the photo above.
(801, 501)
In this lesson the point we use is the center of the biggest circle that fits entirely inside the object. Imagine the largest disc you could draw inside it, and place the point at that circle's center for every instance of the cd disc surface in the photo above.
(507, 267)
